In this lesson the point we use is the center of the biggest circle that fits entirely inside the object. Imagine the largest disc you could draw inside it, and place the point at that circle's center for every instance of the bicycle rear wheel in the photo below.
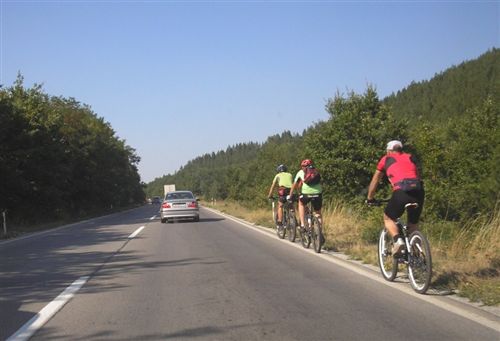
(420, 263)
(292, 226)
(281, 230)
(387, 263)
(316, 234)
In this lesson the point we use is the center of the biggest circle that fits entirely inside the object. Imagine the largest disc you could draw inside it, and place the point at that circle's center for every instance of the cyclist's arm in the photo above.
(374, 183)
(271, 189)
(293, 188)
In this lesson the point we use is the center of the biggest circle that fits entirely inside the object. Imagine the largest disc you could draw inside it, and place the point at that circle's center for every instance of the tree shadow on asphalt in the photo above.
(21, 288)
(35, 270)
(204, 332)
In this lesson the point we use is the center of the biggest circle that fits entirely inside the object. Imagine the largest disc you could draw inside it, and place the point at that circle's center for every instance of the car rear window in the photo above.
(182, 195)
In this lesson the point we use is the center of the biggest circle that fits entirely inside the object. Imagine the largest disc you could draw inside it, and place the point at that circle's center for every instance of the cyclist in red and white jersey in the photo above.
(308, 192)
(407, 187)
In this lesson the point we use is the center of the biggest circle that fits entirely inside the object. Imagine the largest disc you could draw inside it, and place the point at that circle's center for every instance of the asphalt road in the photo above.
(212, 280)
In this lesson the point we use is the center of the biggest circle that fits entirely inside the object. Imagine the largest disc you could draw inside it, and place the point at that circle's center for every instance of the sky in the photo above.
(178, 79)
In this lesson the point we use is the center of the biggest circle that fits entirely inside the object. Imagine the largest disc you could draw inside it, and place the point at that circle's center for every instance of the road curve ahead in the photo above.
(132, 278)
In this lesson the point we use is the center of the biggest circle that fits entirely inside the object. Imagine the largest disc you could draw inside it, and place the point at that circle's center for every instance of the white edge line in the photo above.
(37, 321)
(133, 235)
(345, 264)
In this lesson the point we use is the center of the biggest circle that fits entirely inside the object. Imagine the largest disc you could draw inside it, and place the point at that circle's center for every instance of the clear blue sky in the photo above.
(178, 79)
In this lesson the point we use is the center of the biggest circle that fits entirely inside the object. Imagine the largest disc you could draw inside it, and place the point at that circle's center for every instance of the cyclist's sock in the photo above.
(396, 237)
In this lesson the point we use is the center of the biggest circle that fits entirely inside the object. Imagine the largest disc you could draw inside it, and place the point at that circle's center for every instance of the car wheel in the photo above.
(163, 221)
(197, 218)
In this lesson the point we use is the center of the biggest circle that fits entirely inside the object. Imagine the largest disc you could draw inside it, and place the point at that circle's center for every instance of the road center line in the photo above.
(37, 321)
(152, 218)
(133, 235)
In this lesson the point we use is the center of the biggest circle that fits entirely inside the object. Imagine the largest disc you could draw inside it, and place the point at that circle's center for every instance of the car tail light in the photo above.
(192, 204)
(166, 205)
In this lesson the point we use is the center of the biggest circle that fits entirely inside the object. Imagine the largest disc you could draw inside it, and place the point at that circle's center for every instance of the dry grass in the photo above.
(476, 246)
(471, 261)
(468, 263)
(258, 216)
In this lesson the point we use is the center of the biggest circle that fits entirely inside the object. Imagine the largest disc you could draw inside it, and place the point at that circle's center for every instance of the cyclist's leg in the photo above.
(414, 213)
(391, 226)
(281, 200)
(302, 210)
(394, 209)
(317, 204)
(280, 211)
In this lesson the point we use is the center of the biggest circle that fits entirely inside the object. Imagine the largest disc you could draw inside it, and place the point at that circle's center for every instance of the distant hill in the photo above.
(450, 93)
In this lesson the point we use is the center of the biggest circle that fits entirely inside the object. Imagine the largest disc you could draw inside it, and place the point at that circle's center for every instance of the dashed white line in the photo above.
(152, 218)
(133, 235)
(37, 321)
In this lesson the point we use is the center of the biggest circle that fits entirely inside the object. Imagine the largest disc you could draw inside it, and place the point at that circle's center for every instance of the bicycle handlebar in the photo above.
(293, 198)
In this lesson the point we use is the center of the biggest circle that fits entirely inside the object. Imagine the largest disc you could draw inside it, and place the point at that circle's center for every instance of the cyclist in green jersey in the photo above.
(284, 181)
(308, 192)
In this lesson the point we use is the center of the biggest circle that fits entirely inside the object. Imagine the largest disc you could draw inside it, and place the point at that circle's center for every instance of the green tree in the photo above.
(347, 147)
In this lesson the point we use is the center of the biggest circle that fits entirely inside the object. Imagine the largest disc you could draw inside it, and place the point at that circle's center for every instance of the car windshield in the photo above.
(179, 195)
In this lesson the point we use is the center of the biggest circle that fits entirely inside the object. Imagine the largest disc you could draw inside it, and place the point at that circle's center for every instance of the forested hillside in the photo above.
(459, 156)
(451, 93)
(58, 160)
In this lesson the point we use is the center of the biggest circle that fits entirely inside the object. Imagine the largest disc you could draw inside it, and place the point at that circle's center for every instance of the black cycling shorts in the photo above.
(396, 205)
(315, 199)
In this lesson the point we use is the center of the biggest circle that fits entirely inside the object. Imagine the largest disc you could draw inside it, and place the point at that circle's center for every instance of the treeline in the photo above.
(450, 93)
(459, 156)
(59, 160)
(239, 173)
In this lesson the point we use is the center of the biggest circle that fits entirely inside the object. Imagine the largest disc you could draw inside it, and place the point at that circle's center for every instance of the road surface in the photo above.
(137, 279)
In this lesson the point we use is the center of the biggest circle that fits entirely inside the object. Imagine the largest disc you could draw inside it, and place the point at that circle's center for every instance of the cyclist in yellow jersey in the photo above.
(311, 192)
(284, 181)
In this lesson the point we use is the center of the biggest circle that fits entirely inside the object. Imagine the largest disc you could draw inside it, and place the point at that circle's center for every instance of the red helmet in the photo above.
(306, 163)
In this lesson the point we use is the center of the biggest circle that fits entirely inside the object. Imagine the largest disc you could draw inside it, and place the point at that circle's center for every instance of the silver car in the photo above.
(179, 205)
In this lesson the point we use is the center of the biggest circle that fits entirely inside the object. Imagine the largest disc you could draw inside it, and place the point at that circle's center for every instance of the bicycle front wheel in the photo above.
(316, 234)
(292, 226)
(387, 263)
(420, 262)
(305, 239)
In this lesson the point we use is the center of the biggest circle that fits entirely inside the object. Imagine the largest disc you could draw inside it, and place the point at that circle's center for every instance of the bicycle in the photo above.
(313, 230)
(416, 254)
(289, 221)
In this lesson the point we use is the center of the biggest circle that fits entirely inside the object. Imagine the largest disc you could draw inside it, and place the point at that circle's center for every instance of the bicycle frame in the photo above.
(404, 229)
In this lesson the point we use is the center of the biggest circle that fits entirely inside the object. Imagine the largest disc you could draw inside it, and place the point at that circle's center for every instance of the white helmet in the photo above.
(393, 144)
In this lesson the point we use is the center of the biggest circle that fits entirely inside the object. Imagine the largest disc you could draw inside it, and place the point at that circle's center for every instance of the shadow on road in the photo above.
(204, 332)
(33, 271)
